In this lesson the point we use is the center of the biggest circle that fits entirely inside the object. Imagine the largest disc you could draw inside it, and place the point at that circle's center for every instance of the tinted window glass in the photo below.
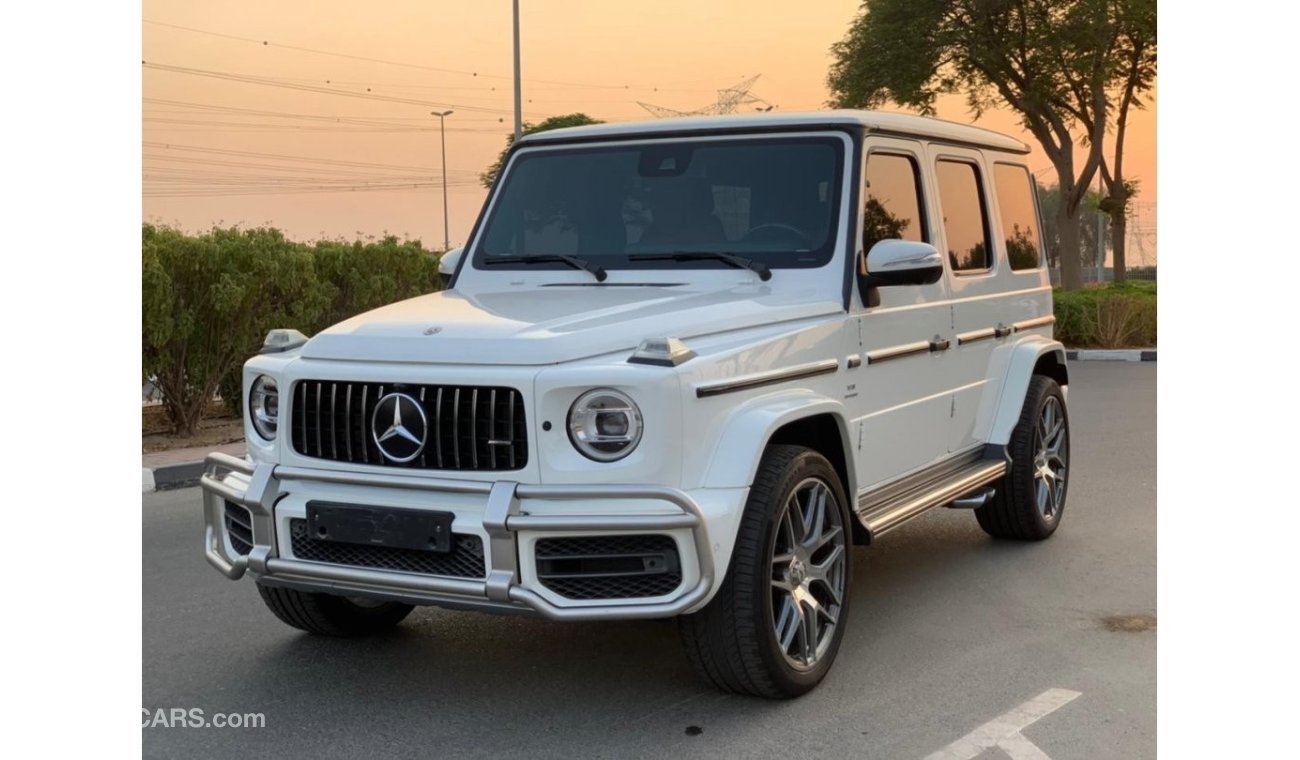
(893, 207)
(1019, 216)
(964, 222)
(774, 200)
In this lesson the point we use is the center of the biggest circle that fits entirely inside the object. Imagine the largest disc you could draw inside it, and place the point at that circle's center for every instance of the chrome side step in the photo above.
(887, 508)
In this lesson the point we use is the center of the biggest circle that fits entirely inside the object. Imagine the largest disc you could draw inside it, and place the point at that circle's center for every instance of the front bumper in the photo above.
(259, 488)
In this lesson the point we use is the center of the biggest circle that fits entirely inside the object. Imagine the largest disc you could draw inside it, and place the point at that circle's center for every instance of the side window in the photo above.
(1019, 215)
(965, 220)
(893, 201)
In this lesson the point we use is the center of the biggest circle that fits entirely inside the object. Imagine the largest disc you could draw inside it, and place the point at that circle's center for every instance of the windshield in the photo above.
(771, 200)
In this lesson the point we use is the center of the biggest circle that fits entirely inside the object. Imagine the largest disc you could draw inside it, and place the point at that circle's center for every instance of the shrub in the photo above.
(209, 300)
(1113, 316)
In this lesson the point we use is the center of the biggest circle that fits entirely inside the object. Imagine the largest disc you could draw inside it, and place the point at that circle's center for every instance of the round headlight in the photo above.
(264, 406)
(604, 425)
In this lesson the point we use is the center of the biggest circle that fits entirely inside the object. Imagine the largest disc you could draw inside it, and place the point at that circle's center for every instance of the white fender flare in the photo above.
(1019, 369)
(750, 426)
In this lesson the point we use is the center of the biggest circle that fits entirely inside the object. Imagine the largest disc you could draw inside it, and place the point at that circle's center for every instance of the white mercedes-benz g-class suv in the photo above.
(680, 368)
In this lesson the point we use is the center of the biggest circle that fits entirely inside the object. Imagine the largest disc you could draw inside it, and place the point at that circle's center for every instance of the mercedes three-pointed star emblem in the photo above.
(403, 439)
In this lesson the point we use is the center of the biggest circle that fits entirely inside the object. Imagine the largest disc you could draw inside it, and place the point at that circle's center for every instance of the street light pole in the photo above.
(519, 116)
(442, 130)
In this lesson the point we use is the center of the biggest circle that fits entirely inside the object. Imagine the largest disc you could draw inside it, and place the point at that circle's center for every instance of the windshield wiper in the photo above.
(596, 270)
(740, 262)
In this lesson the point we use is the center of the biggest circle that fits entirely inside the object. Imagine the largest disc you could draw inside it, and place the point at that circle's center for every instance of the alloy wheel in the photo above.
(808, 573)
(1051, 457)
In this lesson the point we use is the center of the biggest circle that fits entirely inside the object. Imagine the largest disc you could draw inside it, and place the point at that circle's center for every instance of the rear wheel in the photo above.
(331, 615)
(1031, 497)
(775, 625)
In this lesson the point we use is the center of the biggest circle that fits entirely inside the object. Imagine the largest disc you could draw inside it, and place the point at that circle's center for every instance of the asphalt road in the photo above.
(948, 630)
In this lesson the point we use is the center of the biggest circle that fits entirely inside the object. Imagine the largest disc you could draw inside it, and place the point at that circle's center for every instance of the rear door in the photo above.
(900, 396)
(993, 245)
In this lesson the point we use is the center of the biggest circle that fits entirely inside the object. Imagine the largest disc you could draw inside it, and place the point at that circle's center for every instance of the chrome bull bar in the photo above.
(502, 520)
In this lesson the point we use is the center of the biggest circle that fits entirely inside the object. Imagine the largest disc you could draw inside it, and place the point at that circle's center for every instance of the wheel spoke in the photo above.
(796, 519)
(816, 516)
(789, 623)
(826, 537)
(809, 637)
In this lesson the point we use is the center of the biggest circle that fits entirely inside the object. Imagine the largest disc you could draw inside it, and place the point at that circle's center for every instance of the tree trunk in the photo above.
(1118, 234)
(1067, 232)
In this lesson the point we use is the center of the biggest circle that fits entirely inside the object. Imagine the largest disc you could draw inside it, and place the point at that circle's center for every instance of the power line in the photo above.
(283, 157)
(268, 82)
(267, 43)
(218, 107)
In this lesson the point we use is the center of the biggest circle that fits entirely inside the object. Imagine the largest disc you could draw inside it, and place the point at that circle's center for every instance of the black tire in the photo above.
(732, 642)
(330, 615)
(1014, 512)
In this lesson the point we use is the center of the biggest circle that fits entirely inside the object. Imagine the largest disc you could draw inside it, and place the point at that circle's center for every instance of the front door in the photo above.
(903, 400)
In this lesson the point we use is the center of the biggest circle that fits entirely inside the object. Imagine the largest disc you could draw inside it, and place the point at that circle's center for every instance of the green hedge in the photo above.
(1112, 316)
(210, 299)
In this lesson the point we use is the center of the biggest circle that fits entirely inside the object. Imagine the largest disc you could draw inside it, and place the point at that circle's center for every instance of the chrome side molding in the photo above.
(824, 367)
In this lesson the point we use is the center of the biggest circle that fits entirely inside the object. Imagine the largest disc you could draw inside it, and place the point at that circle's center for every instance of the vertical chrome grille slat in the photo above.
(424, 452)
(320, 450)
(334, 420)
(492, 428)
(473, 427)
(500, 444)
(347, 422)
(455, 426)
(365, 446)
(437, 426)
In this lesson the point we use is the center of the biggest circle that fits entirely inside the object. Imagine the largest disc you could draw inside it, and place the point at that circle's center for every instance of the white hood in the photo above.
(548, 325)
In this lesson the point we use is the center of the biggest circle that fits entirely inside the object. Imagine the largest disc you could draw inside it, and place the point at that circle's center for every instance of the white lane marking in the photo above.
(1003, 731)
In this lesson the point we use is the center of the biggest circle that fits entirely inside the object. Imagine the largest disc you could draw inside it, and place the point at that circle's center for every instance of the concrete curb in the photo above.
(172, 476)
(178, 475)
(1111, 355)
(181, 468)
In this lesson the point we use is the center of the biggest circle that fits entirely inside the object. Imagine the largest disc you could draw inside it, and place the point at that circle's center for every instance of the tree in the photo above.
(1049, 202)
(555, 122)
(206, 303)
(1055, 62)
(1137, 75)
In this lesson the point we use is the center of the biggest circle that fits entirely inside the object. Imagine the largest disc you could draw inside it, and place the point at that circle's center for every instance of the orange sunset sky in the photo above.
(201, 126)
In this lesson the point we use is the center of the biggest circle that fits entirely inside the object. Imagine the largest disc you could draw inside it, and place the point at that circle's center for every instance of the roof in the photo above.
(875, 121)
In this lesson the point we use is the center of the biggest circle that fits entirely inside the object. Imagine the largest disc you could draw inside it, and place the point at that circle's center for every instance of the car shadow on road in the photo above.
(455, 668)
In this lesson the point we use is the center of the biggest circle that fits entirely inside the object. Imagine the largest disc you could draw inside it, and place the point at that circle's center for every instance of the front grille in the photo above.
(465, 560)
(469, 427)
(239, 527)
(609, 567)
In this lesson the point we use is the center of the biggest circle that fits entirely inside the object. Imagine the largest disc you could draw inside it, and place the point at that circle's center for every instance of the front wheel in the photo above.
(775, 625)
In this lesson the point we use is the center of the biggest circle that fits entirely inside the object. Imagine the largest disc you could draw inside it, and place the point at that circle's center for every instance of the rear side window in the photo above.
(965, 220)
(893, 206)
(1016, 209)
